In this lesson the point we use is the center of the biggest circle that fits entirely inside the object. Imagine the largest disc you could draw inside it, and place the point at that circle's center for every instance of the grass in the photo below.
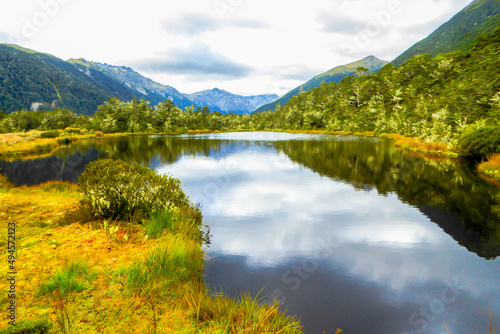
(159, 221)
(74, 276)
(80, 280)
(414, 144)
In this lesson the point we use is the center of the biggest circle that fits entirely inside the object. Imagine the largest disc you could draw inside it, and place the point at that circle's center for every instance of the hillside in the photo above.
(149, 89)
(223, 101)
(435, 99)
(480, 17)
(32, 79)
(336, 74)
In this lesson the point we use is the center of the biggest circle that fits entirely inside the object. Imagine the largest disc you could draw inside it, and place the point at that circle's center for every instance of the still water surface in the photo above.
(345, 232)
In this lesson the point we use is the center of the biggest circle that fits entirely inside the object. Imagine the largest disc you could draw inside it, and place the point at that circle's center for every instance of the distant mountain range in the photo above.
(336, 74)
(217, 99)
(480, 17)
(145, 87)
(39, 81)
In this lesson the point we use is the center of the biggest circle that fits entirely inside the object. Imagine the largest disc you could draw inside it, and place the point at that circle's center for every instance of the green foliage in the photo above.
(336, 74)
(434, 99)
(29, 327)
(49, 134)
(73, 277)
(157, 222)
(73, 131)
(115, 189)
(21, 121)
(480, 143)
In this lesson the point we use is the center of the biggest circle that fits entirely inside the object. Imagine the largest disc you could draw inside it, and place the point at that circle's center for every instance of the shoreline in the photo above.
(33, 147)
(51, 240)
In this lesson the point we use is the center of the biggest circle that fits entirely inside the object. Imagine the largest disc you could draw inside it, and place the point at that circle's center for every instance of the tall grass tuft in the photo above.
(159, 221)
(177, 261)
(72, 277)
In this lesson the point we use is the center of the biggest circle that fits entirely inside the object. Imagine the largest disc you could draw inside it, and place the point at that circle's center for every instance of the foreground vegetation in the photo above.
(91, 262)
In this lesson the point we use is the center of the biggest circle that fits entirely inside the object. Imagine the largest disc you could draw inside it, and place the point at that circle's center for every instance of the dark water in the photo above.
(345, 232)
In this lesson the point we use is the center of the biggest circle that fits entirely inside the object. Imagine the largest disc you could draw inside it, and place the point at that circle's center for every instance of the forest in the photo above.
(452, 98)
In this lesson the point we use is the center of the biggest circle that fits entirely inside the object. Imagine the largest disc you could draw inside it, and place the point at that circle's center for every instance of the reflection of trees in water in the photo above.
(150, 149)
(446, 184)
(449, 185)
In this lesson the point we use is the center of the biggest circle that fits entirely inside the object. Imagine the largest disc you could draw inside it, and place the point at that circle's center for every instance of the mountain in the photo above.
(149, 89)
(480, 17)
(223, 101)
(336, 74)
(39, 81)
(30, 79)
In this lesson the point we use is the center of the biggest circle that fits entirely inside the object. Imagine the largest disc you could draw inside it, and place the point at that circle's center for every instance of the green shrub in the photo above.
(114, 189)
(28, 327)
(49, 134)
(480, 143)
(73, 130)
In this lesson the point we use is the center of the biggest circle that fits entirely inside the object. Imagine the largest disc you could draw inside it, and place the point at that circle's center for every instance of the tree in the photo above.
(360, 71)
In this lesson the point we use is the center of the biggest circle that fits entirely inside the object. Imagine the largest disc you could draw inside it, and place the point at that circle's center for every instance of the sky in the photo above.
(246, 47)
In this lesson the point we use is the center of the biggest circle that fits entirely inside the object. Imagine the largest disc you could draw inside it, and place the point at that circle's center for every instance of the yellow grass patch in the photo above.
(414, 144)
(16, 144)
(107, 304)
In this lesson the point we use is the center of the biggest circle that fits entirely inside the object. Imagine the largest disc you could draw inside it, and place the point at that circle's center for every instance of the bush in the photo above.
(49, 134)
(28, 327)
(73, 130)
(114, 189)
(480, 143)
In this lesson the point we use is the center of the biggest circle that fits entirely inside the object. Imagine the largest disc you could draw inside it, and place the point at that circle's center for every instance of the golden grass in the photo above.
(18, 144)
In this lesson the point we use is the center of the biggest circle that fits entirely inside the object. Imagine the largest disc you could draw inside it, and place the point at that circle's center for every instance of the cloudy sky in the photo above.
(243, 46)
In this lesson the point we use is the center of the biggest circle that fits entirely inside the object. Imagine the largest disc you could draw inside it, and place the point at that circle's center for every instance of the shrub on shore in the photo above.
(480, 143)
(114, 189)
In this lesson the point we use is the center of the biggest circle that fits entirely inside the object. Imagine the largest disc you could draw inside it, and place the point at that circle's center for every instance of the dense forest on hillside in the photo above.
(435, 99)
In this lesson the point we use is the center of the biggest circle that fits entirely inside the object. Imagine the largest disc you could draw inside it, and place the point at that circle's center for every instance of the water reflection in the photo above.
(347, 232)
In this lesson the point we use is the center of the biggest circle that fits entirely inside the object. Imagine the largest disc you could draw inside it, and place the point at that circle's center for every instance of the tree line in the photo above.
(441, 99)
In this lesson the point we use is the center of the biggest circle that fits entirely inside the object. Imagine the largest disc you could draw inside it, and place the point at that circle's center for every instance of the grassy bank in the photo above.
(13, 145)
(111, 276)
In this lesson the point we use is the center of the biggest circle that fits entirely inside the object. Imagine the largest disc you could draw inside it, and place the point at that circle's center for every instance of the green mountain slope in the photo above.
(480, 17)
(336, 74)
(29, 78)
(435, 99)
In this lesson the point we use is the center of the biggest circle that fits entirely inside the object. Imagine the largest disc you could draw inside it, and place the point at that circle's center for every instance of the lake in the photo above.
(345, 232)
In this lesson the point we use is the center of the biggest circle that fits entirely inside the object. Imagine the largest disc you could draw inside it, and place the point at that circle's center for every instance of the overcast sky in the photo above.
(243, 46)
